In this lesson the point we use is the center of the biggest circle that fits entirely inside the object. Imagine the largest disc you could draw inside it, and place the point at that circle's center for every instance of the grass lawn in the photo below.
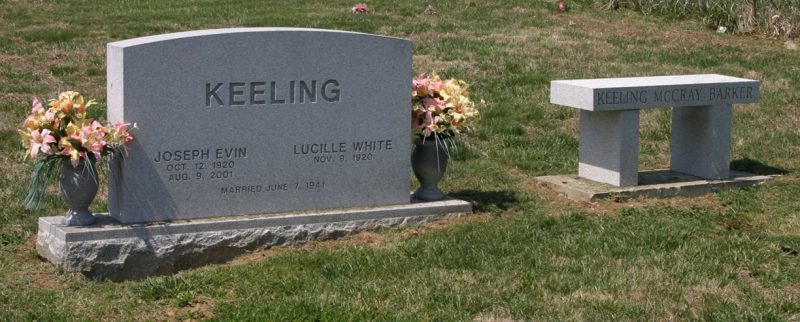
(527, 254)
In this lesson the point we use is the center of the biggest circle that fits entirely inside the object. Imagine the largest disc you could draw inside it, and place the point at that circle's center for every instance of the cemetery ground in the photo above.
(526, 253)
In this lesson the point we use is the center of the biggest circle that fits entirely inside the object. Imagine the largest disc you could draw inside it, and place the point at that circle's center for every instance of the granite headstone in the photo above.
(259, 120)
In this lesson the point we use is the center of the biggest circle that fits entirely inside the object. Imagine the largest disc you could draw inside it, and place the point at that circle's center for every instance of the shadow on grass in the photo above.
(756, 167)
(487, 201)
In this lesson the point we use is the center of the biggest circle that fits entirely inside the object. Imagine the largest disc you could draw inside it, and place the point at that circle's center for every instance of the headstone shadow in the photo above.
(483, 201)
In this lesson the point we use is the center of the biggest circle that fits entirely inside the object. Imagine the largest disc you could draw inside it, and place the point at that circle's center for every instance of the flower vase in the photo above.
(78, 187)
(429, 162)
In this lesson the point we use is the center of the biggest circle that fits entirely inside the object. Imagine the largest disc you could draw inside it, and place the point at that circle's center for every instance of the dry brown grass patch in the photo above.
(11, 167)
(533, 131)
(366, 239)
(524, 10)
(444, 224)
(522, 35)
(8, 121)
(571, 125)
(31, 272)
(460, 281)
(789, 226)
(253, 257)
(42, 280)
(429, 36)
(652, 120)
(487, 317)
(427, 64)
(369, 239)
(708, 201)
(695, 297)
(780, 84)
(199, 309)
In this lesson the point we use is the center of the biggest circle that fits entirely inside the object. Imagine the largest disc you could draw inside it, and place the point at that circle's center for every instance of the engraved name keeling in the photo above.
(272, 92)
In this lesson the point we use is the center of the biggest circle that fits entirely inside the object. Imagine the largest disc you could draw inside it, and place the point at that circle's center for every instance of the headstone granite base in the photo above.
(114, 251)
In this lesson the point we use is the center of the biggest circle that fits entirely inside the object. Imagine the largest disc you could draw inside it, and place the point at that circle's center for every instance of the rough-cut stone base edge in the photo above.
(123, 252)
(655, 184)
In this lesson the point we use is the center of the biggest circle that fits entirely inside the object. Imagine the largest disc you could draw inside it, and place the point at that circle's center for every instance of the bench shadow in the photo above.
(756, 167)
(653, 177)
(484, 201)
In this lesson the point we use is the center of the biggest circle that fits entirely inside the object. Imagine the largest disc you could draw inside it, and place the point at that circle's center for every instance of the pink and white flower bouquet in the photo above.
(359, 8)
(62, 131)
(441, 109)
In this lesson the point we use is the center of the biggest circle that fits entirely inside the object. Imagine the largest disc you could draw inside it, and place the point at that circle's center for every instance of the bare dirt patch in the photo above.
(486, 317)
(365, 239)
(31, 272)
(444, 224)
(253, 257)
(42, 280)
(370, 239)
(571, 125)
(199, 309)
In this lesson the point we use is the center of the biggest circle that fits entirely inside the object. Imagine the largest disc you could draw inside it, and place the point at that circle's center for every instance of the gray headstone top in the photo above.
(608, 94)
(207, 32)
(254, 120)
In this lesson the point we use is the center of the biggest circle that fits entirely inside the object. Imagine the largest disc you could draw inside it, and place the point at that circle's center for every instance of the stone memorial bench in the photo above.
(609, 122)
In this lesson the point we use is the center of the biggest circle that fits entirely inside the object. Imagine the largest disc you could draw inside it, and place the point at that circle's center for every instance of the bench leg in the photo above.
(701, 140)
(609, 147)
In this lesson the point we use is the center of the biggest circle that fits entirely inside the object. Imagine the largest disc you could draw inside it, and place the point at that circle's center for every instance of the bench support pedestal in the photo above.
(609, 147)
(701, 140)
